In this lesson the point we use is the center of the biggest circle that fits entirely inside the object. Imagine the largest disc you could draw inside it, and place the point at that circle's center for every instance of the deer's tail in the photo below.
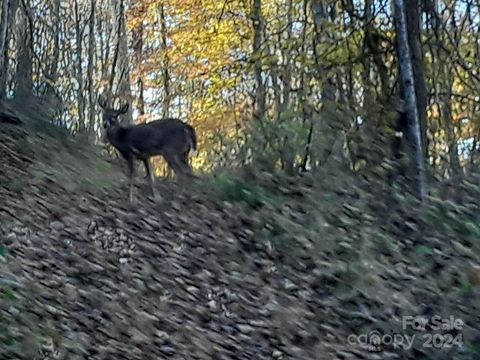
(191, 138)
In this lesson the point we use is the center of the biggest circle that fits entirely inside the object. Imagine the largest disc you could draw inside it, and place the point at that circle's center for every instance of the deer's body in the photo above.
(158, 137)
(171, 138)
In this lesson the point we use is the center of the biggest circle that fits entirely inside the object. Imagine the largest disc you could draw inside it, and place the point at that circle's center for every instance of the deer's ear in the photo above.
(123, 109)
(102, 101)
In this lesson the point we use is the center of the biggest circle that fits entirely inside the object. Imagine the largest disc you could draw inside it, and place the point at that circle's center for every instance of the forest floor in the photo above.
(229, 267)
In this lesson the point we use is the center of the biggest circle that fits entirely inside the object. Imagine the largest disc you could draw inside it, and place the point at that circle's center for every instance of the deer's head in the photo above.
(109, 114)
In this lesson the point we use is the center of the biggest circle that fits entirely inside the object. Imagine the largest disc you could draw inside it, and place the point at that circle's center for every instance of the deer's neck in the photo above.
(114, 135)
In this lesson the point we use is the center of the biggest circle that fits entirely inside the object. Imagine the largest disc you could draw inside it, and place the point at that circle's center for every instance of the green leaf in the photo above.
(466, 285)
(3, 250)
(422, 250)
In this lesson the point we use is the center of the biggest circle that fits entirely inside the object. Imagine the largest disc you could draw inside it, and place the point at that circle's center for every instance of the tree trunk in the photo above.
(124, 88)
(113, 71)
(446, 107)
(372, 47)
(91, 52)
(104, 31)
(52, 67)
(137, 37)
(3, 46)
(368, 86)
(3, 24)
(79, 75)
(330, 127)
(25, 55)
(414, 41)
(167, 96)
(258, 34)
(408, 84)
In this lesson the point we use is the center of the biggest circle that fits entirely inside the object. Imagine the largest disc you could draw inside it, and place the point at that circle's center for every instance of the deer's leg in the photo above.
(187, 170)
(151, 179)
(174, 162)
(182, 165)
(131, 170)
(182, 168)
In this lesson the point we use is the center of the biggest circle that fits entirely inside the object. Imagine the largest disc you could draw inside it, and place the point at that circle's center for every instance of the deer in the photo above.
(170, 137)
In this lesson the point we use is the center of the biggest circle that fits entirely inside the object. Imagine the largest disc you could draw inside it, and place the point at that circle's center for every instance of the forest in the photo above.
(336, 184)
(298, 80)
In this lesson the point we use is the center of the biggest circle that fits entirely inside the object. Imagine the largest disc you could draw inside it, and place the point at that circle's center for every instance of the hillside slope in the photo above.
(225, 268)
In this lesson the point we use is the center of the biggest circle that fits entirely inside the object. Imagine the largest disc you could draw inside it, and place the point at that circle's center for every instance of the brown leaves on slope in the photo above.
(84, 275)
